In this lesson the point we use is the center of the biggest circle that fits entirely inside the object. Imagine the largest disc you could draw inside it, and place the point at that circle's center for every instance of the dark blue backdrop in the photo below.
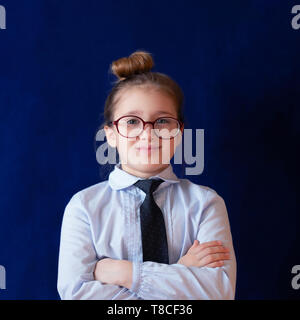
(238, 64)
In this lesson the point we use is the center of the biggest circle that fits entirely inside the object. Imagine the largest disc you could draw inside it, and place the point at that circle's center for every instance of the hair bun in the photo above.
(137, 62)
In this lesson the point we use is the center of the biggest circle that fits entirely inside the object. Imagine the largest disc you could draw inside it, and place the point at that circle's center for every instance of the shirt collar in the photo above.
(120, 179)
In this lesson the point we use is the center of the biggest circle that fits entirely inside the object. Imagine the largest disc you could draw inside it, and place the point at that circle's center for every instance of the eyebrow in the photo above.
(140, 112)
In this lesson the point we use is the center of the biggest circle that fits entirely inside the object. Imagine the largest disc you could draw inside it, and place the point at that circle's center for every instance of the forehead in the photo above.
(145, 102)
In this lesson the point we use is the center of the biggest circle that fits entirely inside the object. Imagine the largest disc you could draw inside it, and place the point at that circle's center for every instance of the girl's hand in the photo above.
(113, 271)
(209, 254)
(106, 271)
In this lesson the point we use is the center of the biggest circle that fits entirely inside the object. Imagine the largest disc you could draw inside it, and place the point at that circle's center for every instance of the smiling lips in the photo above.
(149, 148)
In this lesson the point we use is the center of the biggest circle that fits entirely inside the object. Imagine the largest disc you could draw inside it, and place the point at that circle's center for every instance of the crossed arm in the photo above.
(204, 272)
(119, 272)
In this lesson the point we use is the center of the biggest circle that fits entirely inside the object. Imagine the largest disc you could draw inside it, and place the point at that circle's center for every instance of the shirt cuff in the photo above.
(136, 276)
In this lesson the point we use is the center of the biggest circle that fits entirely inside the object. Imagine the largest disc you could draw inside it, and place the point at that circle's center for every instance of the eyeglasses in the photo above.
(130, 126)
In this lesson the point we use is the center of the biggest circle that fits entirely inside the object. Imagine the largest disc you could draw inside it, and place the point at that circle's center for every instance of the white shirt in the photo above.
(103, 221)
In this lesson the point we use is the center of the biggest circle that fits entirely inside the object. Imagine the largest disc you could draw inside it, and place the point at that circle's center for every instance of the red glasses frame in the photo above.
(115, 122)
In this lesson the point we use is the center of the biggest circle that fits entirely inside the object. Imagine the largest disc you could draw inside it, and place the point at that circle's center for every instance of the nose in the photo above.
(148, 132)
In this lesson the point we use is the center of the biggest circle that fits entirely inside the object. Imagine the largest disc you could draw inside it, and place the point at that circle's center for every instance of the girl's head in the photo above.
(141, 95)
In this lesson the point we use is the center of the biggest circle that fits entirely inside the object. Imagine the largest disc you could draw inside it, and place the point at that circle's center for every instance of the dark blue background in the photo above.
(238, 65)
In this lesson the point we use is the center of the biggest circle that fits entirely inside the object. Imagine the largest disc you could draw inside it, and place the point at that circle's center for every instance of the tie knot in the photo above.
(148, 185)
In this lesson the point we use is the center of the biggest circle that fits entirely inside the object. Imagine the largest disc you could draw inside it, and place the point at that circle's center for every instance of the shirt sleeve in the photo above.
(153, 281)
(78, 258)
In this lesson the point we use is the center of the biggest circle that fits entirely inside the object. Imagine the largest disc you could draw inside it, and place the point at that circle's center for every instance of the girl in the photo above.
(107, 250)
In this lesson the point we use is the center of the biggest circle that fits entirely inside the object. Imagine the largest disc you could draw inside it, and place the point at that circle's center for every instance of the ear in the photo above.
(110, 136)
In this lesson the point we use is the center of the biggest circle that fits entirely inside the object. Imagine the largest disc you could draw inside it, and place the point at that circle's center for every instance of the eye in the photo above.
(132, 121)
(162, 121)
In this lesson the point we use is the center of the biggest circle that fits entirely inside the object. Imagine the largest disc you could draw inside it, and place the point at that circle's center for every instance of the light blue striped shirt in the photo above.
(103, 221)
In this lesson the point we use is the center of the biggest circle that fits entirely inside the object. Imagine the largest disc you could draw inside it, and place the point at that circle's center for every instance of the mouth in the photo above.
(148, 149)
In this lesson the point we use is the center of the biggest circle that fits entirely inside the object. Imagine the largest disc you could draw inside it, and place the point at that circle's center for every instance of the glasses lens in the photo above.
(166, 128)
(130, 127)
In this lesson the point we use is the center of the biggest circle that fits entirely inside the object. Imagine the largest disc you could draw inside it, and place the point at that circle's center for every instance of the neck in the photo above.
(143, 174)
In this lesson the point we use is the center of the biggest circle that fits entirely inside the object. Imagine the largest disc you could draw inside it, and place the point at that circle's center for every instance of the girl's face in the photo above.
(135, 155)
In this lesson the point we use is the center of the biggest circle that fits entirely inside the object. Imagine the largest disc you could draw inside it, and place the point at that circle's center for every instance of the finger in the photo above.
(193, 247)
(215, 264)
(204, 245)
(214, 257)
(201, 253)
(196, 242)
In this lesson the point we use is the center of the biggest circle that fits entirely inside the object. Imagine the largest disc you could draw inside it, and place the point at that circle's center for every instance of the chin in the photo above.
(141, 161)
(148, 167)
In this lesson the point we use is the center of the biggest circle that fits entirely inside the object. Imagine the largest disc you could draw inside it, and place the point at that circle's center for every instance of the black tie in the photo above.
(154, 238)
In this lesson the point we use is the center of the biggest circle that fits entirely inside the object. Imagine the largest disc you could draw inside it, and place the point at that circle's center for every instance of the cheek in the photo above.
(122, 145)
(125, 146)
(168, 148)
(168, 144)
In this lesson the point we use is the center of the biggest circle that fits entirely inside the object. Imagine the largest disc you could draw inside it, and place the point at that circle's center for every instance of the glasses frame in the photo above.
(116, 123)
